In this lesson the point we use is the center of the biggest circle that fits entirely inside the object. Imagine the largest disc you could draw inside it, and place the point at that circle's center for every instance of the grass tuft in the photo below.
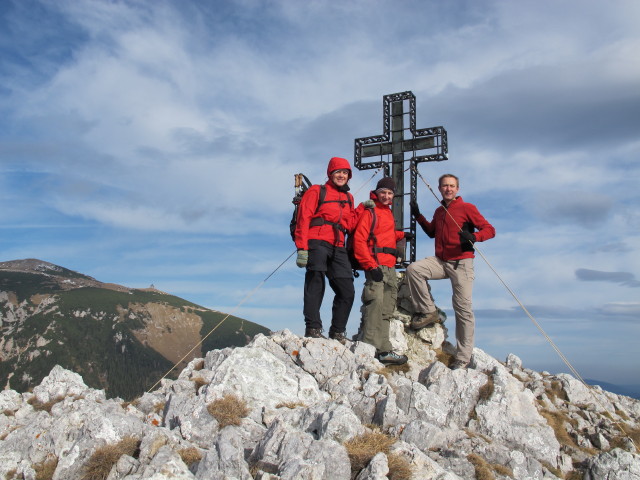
(199, 382)
(228, 410)
(363, 448)
(290, 405)
(190, 455)
(482, 467)
(44, 406)
(399, 467)
(486, 390)
(46, 469)
(104, 458)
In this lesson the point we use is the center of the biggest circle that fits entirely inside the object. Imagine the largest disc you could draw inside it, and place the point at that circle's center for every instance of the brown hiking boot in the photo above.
(313, 333)
(339, 337)
(459, 365)
(421, 320)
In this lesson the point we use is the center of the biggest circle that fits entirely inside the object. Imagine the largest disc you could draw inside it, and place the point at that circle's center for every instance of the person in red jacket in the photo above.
(376, 252)
(325, 216)
(456, 227)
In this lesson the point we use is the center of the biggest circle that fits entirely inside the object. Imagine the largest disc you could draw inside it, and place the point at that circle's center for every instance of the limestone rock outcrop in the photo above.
(305, 402)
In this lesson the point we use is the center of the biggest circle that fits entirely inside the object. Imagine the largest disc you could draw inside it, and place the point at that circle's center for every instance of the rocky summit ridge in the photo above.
(286, 407)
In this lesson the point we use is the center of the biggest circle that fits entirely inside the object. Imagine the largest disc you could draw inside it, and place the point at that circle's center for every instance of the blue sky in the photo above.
(155, 142)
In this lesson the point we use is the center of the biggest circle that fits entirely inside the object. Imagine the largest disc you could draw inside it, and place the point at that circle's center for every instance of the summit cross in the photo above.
(393, 143)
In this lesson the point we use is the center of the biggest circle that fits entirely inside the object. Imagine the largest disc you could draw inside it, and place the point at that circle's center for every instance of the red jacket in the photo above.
(445, 230)
(384, 231)
(336, 208)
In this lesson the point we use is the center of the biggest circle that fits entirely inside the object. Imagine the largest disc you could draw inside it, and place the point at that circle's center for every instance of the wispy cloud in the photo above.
(623, 278)
(155, 142)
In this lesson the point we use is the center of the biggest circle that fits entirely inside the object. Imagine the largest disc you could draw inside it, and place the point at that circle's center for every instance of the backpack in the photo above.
(302, 184)
(355, 264)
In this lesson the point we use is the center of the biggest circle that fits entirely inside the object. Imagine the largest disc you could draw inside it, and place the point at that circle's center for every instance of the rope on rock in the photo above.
(531, 317)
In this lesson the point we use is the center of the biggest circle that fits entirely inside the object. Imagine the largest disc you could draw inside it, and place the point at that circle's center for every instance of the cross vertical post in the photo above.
(394, 144)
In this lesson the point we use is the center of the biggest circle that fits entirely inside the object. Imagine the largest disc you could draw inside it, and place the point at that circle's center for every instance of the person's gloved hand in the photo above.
(415, 210)
(466, 237)
(409, 236)
(376, 274)
(303, 258)
(369, 204)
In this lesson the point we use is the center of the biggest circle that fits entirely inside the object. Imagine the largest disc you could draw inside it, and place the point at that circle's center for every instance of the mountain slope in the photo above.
(119, 339)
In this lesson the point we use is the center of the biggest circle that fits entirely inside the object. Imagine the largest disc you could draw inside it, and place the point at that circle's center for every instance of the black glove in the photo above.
(466, 237)
(376, 274)
(415, 211)
(409, 236)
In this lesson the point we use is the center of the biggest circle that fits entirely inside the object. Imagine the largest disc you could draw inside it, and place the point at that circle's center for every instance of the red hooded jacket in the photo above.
(337, 208)
(385, 233)
(445, 229)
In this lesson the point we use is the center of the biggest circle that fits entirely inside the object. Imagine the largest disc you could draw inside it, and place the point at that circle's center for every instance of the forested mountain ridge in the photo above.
(119, 339)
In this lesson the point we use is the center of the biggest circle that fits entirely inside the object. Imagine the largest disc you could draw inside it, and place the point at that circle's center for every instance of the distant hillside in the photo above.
(632, 391)
(119, 339)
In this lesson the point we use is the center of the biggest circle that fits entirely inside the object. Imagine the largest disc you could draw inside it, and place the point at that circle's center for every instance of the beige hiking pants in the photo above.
(461, 275)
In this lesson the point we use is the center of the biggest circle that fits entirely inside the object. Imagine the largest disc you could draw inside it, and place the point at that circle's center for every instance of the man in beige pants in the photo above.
(456, 227)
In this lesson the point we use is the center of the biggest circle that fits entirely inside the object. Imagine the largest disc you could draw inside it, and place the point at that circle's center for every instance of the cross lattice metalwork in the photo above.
(393, 144)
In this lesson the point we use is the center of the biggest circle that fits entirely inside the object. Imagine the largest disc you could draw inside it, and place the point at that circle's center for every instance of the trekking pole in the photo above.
(531, 317)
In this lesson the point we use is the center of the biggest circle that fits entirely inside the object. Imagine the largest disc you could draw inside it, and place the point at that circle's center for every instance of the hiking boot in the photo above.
(421, 320)
(459, 365)
(313, 333)
(339, 336)
(392, 358)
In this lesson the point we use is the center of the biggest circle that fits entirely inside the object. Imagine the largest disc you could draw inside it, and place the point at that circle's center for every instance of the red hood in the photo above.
(338, 163)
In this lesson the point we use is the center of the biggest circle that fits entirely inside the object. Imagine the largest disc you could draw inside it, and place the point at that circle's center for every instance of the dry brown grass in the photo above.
(482, 467)
(290, 405)
(389, 370)
(627, 432)
(556, 471)
(556, 421)
(198, 365)
(443, 357)
(199, 382)
(399, 467)
(574, 475)
(158, 407)
(486, 390)
(44, 406)
(363, 448)
(46, 469)
(228, 410)
(190, 455)
(104, 458)
(503, 470)
(622, 415)
(555, 390)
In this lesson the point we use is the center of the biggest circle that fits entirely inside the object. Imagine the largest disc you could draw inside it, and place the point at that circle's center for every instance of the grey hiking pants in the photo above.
(461, 275)
(378, 305)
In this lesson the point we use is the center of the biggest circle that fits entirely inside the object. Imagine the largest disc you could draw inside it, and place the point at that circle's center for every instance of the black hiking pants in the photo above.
(332, 262)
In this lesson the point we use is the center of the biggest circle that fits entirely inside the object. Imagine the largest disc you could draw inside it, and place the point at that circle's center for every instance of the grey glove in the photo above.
(415, 210)
(369, 204)
(303, 258)
(376, 274)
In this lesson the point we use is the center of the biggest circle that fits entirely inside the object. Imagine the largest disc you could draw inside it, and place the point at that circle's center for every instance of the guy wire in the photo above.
(538, 326)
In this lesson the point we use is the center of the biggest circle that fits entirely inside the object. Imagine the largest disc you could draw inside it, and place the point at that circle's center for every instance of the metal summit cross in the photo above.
(393, 142)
